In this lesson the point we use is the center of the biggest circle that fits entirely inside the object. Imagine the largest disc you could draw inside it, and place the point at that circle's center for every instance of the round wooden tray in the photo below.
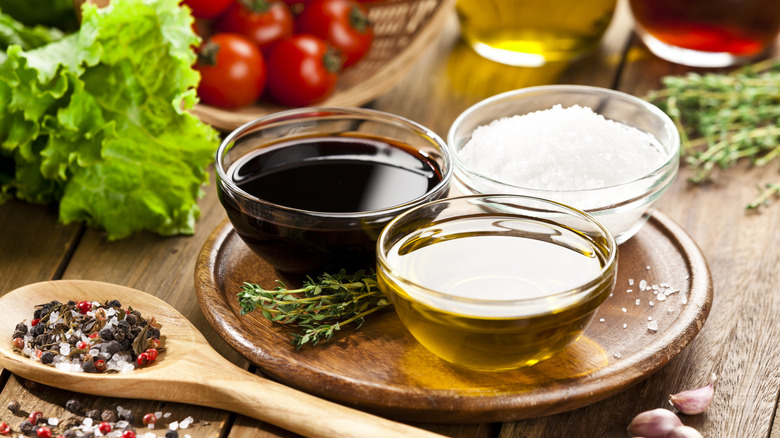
(381, 368)
(402, 31)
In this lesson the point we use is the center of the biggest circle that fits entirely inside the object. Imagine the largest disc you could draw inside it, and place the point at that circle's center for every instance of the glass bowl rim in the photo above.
(610, 264)
(668, 165)
(365, 113)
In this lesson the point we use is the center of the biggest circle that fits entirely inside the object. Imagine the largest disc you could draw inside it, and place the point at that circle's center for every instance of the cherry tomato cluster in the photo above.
(291, 50)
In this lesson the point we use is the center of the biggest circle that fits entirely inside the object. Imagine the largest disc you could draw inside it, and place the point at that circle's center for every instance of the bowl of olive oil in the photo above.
(496, 282)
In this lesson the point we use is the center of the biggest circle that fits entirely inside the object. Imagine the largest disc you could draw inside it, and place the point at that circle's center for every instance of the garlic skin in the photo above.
(694, 401)
(684, 432)
(654, 424)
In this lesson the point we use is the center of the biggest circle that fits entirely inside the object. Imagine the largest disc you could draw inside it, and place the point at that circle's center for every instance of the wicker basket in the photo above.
(402, 31)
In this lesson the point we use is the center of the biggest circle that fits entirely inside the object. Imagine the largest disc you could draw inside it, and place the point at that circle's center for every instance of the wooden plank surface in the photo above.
(743, 251)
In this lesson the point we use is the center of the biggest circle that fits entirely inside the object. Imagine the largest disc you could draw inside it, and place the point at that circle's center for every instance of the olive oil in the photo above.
(533, 32)
(496, 292)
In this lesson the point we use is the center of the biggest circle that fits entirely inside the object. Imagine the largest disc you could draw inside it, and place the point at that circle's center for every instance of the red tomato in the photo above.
(303, 69)
(207, 8)
(262, 21)
(342, 23)
(232, 71)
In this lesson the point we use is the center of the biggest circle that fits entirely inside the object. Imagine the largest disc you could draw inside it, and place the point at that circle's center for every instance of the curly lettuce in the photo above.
(97, 121)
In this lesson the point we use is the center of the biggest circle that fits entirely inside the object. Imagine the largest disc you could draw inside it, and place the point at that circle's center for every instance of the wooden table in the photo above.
(743, 250)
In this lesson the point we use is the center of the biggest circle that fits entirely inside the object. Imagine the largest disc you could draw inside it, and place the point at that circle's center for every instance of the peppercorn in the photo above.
(108, 415)
(88, 366)
(94, 414)
(14, 406)
(26, 427)
(171, 434)
(128, 433)
(113, 303)
(88, 434)
(35, 417)
(70, 433)
(105, 334)
(47, 357)
(104, 427)
(73, 405)
(43, 432)
(149, 418)
(131, 319)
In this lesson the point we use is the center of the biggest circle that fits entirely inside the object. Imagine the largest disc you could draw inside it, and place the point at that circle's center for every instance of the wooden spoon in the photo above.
(189, 370)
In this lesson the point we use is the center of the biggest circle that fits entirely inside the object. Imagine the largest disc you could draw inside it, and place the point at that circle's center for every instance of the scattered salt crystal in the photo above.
(174, 425)
(661, 297)
(628, 291)
(684, 299)
(149, 435)
(625, 325)
(166, 415)
(158, 414)
(121, 424)
(643, 285)
(649, 318)
(87, 422)
(647, 267)
(618, 355)
(652, 326)
(654, 287)
(624, 309)
(53, 421)
(651, 303)
(185, 423)
(610, 294)
(630, 281)
(186, 435)
(602, 319)
(637, 301)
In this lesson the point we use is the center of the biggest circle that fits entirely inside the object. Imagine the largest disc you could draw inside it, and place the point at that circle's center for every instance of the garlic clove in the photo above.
(694, 401)
(654, 424)
(684, 432)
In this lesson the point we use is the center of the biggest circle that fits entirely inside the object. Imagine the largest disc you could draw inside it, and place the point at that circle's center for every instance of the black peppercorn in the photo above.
(88, 434)
(114, 303)
(13, 406)
(94, 414)
(88, 366)
(131, 319)
(73, 405)
(39, 329)
(70, 433)
(26, 427)
(47, 357)
(123, 325)
(108, 415)
(105, 334)
(171, 434)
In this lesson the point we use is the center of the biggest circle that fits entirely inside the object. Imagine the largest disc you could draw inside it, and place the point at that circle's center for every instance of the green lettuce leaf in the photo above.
(98, 121)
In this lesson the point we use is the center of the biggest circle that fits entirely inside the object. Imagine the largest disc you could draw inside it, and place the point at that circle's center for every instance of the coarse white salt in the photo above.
(158, 414)
(661, 297)
(185, 423)
(624, 309)
(642, 285)
(625, 325)
(87, 422)
(637, 301)
(649, 318)
(651, 304)
(652, 326)
(630, 281)
(166, 415)
(618, 355)
(647, 267)
(684, 299)
(174, 425)
(53, 421)
(149, 435)
(561, 149)
(602, 319)
(628, 291)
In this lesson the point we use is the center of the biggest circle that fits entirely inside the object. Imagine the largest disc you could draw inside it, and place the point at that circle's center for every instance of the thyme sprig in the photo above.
(319, 307)
(723, 118)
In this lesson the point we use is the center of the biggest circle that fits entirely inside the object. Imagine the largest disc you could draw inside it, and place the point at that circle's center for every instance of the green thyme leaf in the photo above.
(723, 118)
(319, 307)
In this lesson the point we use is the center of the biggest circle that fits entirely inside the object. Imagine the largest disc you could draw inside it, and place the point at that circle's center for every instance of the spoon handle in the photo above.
(231, 388)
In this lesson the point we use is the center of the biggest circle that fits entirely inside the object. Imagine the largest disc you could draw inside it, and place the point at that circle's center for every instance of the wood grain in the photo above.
(381, 368)
(187, 367)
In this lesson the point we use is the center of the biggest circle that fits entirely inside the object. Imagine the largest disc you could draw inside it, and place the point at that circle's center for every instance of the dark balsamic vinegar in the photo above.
(335, 174)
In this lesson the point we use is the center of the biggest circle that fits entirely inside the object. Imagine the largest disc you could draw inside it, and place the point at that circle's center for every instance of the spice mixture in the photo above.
(88, 336)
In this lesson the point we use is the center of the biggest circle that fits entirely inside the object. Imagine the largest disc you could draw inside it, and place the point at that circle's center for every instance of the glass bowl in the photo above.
(496, 282)
(564, 155)
(310, 189)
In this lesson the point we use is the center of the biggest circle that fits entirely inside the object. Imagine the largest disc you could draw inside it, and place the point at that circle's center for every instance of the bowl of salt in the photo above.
(607, 153)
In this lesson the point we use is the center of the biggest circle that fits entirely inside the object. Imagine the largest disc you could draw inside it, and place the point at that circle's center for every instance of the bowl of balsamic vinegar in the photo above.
(311, 189)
